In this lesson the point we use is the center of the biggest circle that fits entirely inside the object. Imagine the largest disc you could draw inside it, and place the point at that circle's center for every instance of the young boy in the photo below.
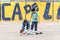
(34, 17)
(25, 24)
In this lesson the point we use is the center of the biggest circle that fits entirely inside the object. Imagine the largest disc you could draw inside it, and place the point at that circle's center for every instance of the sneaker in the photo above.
(21, 31)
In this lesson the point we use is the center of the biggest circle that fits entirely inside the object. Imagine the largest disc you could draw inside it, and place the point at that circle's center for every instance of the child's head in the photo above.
(33, 10)
(25, 21)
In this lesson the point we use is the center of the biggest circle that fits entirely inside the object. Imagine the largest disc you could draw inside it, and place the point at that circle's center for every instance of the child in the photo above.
(25, 24)
(34, 17)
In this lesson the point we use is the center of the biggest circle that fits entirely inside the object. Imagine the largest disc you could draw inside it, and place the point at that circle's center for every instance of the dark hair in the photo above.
(33, 9)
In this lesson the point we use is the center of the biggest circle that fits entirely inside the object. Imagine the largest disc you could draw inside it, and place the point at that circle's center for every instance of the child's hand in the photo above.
(38, 21)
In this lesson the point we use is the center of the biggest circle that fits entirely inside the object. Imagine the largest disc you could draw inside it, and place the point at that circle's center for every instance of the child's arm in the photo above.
(38, 14)
(30, 17)
(38, 19)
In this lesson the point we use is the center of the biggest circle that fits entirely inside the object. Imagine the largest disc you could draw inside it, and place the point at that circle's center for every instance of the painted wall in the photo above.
(15, 11)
